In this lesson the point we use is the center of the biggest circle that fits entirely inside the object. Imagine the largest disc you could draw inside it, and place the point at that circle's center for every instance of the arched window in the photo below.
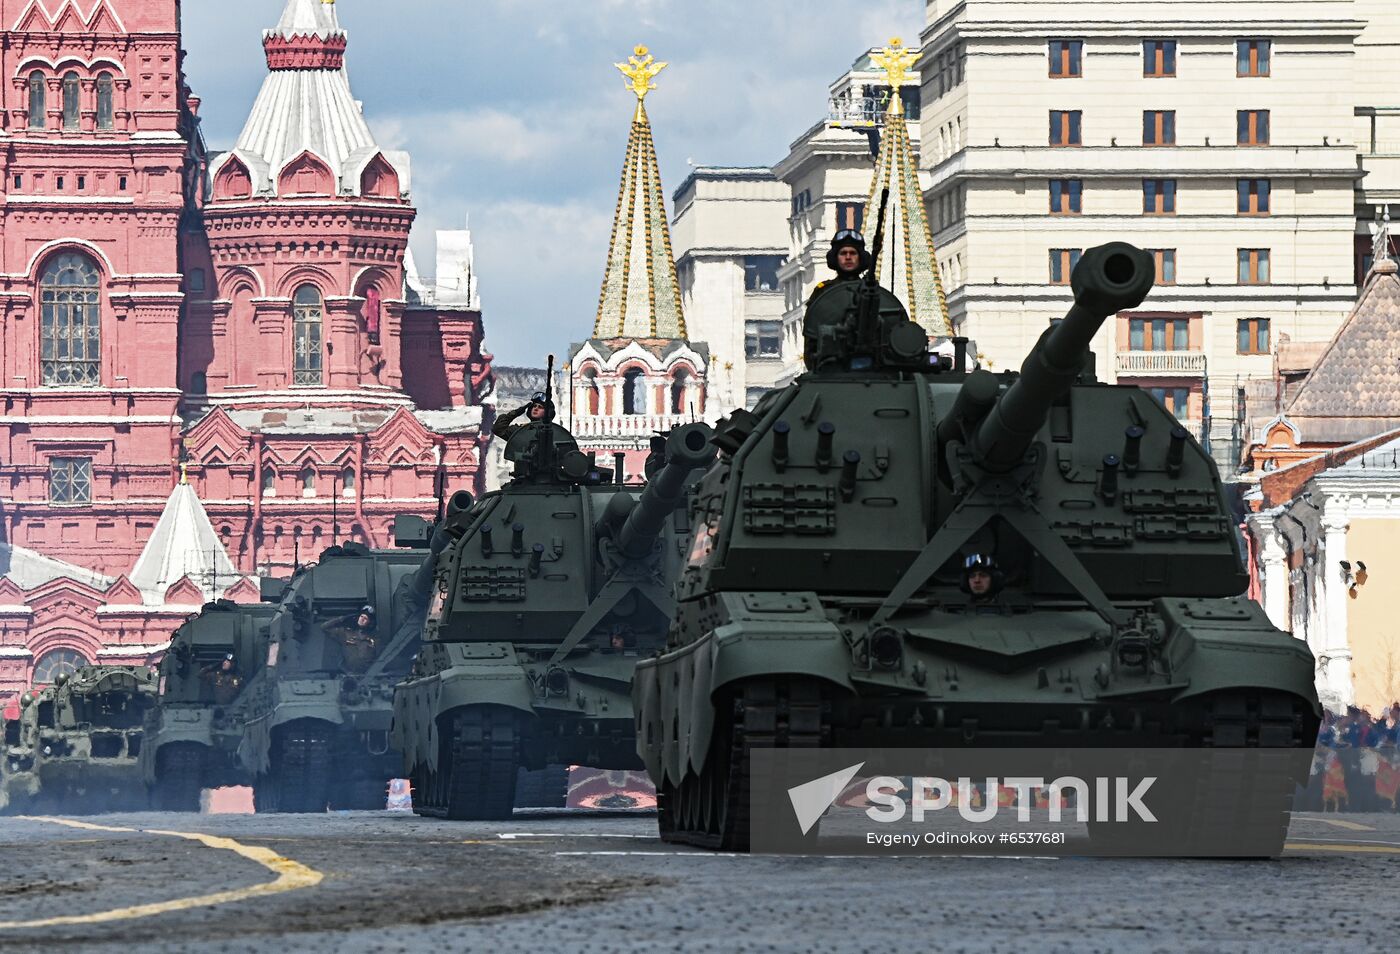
(71, 93)
(38, 101)
(56, 663)
(633, 398)
(71, 319)
(104, 101)
(590, 381)
(347, 482)
(308, 481)
(306, 336)
(678, 383)
(373, 301)
(269, 482)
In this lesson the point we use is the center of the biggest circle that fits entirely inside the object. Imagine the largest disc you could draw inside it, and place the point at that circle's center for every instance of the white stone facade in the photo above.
(988, 96)
(730, 244)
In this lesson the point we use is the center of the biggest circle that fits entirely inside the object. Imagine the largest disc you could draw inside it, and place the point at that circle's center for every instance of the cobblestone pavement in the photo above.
(592, 882)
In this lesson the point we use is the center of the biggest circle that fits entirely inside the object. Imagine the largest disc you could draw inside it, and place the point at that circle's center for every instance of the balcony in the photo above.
(626, 425)
(1174, 364)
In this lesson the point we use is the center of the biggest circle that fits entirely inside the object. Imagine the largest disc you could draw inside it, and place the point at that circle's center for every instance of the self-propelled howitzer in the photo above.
(826, 604)
(552, 589)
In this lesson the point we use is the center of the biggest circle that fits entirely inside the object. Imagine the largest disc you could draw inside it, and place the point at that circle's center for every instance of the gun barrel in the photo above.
(1107, 279)
(687, 448)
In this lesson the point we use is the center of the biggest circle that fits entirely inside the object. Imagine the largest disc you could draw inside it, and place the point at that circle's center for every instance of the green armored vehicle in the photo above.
(894, 551)
(193, 733)
(546, 596)
(76, 745)
(316, 719)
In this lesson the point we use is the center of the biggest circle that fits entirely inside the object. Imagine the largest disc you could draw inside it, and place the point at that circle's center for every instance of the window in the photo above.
(1065, 57)
(347, 482)
(59, 182)
(269, 482)
(104, 101)
(59, 662)
(849, 215)
(306, 336)
(678, 388)
(1062, 262)
(70, 480)
(1064, 127)
(1158, 57)
(801, 202)
(307, 479)
(374, 310)
(1252, 127)
(1173, 399)
(633, 392)
(1159, 196)
(71, 335)
(1159, 334)
(196, 280)
(761, 272)
(121, 183)
(19, 182)
(38, 101)
(763, 339)
(82, 183)
(1165, 259)
(1066, 196)
(1159, 127)
(1254, 266)
(1253, 336)
(1252, 196)
(71, 93)
(1252, 57)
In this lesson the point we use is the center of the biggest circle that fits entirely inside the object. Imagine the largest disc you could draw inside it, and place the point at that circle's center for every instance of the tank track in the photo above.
(476, 773)
(543, 788)
(299, 778)
(711, 810)
(180, 769)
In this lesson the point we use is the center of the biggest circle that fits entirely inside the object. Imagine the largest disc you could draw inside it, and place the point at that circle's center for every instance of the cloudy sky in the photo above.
(515, 116)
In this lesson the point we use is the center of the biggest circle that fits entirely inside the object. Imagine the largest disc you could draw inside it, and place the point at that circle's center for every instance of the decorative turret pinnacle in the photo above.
(308, 36)
(641, 296)
(913, 259)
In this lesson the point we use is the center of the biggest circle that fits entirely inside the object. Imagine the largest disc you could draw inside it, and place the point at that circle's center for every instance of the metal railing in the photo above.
(626, 425)
(1161, 362)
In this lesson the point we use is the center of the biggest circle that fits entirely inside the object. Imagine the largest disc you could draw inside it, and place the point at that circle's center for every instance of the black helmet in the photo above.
(979, 561)
(848, 238)
(982, 563)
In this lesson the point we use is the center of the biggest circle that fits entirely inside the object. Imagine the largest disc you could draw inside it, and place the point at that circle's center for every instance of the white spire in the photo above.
(183, 544)
(308, 18)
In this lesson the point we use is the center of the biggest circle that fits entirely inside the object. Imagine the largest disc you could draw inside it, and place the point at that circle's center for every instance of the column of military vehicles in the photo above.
(804, 590)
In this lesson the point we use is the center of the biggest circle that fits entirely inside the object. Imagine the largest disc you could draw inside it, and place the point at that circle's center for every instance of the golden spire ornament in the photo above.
(640, 69)
(897, 61)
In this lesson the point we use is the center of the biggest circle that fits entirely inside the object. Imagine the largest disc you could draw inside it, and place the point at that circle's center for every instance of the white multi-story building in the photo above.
(730, 242)
(1220, 135)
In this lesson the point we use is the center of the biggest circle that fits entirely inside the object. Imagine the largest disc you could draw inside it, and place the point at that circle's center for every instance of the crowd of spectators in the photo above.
(1357, 763)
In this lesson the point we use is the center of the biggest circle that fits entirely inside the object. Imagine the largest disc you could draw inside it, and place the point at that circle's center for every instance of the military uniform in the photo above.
(358, 643)
(227, 684)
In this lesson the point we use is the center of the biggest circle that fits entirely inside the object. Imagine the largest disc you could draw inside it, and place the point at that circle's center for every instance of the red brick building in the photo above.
(249, 315)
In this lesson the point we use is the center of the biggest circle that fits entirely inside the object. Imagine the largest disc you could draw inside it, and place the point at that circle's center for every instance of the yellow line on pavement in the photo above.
(1347, 849)
(1339, 823)
(291, 876)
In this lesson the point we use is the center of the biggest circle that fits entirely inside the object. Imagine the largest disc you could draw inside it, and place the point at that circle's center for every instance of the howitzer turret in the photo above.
(1107, 279)
(687, 448)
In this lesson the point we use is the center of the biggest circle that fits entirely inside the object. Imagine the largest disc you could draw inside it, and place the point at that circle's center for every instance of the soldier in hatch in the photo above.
(225, 678)
(356, 634)
(983, 581)
(847, 257)
(536, 410)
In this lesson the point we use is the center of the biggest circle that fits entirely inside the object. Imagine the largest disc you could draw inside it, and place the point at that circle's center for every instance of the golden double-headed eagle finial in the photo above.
(640, 69)
(897, 61)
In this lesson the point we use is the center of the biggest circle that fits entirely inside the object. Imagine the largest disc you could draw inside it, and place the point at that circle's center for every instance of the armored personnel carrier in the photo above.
(546, 596)
(316, 719)
(76, 745)
(825, 602)
(192, 734)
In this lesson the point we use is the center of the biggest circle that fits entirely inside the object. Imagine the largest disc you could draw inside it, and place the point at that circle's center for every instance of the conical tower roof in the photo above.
(183, 544)
(306, 105)
(641, 296)
(915, 278)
